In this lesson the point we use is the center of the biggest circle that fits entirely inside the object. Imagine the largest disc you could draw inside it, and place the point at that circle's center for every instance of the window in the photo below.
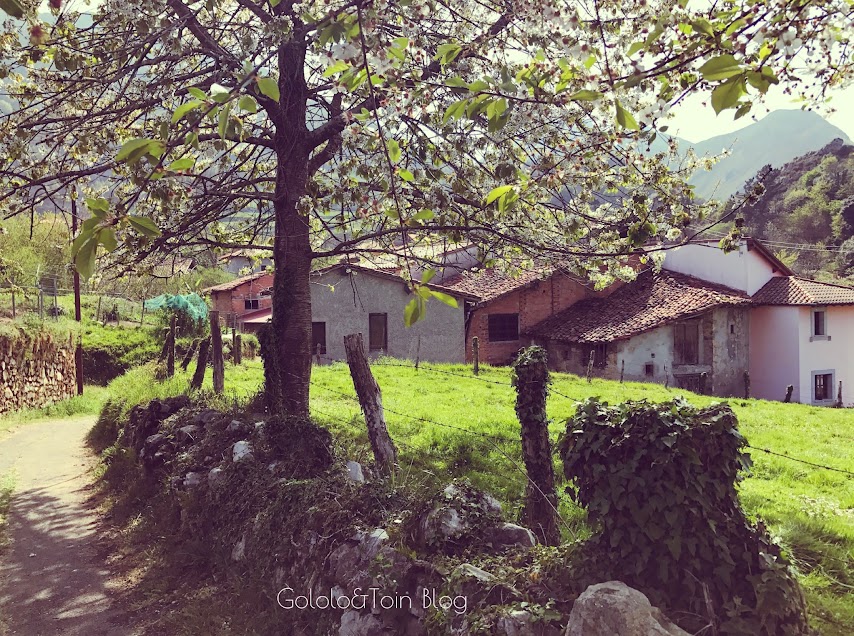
(819, 324)
(822, 386)
(378, 332)
(503, 327)
(649, 369)
(686, 342)
(318, 337)
(251, 303)
(600, 354)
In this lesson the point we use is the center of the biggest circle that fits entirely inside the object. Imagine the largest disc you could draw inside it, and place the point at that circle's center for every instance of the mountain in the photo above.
(778, 138)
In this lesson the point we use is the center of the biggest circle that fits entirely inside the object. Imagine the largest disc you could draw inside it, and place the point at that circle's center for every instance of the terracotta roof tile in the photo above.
(653, 299)
(490, 283)
(234, 284)
(791, 290)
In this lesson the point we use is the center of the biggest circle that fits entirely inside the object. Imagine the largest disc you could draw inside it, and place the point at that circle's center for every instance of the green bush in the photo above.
(659, 485)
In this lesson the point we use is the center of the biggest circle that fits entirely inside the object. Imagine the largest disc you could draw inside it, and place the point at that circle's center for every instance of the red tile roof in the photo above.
(234, 284)
(652, 300)
(791, 290)
(490, 283)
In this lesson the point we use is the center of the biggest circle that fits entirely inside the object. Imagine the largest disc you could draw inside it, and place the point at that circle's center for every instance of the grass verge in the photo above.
(448, 423)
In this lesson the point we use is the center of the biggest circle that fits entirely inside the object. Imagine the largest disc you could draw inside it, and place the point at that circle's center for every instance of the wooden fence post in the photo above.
(418, 353)
(622, 370)
(839, 396)
(789, 390)
(14, 312)
(370, 398)
(218, 361)
(704, 378)
(590, 366)
(746, 384)
(237, 348)
(41, 305)
(98, 310)
(170, 347)
(666, 377)
(531, 379)
(142, 314)
(201, 365)
(317, 350)
(475, 354)
(188, 357)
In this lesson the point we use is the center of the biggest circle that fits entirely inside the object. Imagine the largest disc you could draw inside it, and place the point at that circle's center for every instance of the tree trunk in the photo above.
(370, 398)
(289, 374)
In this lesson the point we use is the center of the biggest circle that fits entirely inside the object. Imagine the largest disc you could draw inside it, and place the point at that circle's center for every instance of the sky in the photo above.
(695, 122)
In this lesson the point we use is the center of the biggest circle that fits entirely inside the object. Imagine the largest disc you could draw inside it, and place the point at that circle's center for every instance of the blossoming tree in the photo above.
(518, 126)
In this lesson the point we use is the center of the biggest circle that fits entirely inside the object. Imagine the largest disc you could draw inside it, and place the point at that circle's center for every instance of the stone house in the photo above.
(662, 327)
(351, 298)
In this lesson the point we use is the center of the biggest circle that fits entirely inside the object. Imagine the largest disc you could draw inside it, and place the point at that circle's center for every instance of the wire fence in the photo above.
(48, 302)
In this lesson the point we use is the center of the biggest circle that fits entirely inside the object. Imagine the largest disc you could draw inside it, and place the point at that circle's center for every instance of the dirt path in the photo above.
(52, 579)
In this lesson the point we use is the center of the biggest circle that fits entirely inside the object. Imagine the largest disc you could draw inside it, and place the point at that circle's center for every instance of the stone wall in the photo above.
(35, 370)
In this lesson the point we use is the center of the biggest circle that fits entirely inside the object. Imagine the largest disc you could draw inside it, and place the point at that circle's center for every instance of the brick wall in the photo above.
(35, 371)
(533, 303)
(232, 302)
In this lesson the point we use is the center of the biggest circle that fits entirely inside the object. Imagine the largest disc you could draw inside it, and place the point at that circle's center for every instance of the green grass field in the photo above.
(445, 427)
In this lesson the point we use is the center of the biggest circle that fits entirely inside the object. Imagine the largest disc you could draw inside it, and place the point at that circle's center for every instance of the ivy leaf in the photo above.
(625, 118)
(144, 226)
(726, 95)
(498, 192)
(269, 88)
(720, 68)
(185, 108)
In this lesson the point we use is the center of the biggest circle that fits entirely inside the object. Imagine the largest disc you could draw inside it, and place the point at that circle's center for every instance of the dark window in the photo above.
(649, 369)
(503, 327)
(823, 386)
(318, 337)
(251, 303)
(686, 343)
(819, 322)
(378, 332)
(600, 354)
(689, 382)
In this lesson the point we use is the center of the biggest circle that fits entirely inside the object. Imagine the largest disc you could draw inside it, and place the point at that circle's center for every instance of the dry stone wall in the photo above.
(35, 370)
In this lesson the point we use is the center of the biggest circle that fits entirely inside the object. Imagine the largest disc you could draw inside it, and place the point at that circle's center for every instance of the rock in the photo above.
(518, 623)
(479, 586)
(355, 624)
(612, 608)
(188, 434)
(354, 472)
(215, 477)
(241, 451)
(193, 480)
(509, 534)
(238, 553)
(236, 426)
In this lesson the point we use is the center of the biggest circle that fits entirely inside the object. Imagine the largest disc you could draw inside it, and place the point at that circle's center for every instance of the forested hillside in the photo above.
(807, 212)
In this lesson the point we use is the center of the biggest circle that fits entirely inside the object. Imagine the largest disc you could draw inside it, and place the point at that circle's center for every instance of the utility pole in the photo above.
(78, 352)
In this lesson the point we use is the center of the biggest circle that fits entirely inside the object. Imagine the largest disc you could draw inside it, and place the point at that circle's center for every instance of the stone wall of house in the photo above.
(35, 370)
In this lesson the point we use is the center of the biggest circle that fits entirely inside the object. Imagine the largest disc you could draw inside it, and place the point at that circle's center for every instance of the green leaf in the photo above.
(13, 7)
(455, 111)
(198, 93)
(447, 53)
(405, 175)
(248, 104)
(134, 150)
(726, 95)
(220, 94)
(144, 226)
(222, 127)
(720, 68)
(185, 163)
(107, 238)
(337, 67)
(701, 25)
(414, 311)
(445, 298)
(393, 150)
(625, 118)
(428, 275)
(185, 108)
(85, 253)
(498, 192)
(634, 48)
(585, 96)
(424, 215)
(98, 207)
(269, 88)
